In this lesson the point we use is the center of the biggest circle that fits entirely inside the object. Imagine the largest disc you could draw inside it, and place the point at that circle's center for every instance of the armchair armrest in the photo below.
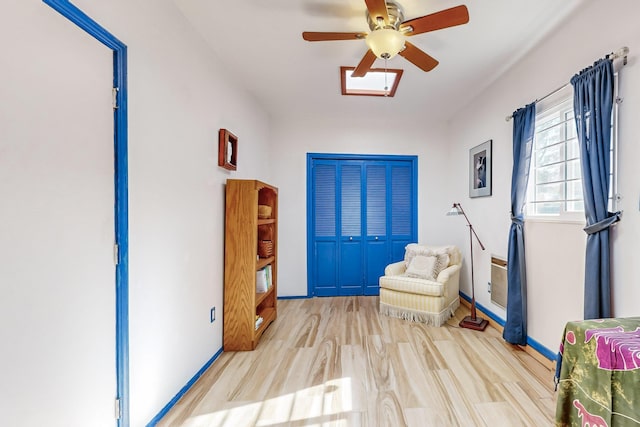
(450, 278)
(448, 272)
(395, 269)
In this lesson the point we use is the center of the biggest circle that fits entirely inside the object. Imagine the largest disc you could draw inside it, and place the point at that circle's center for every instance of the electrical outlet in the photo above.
(212, 314)
(489, 287)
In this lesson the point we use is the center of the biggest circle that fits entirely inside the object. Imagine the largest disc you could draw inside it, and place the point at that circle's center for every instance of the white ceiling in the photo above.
(260, 42)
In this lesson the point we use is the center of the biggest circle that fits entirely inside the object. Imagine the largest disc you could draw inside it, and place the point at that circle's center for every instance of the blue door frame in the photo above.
(75, 15)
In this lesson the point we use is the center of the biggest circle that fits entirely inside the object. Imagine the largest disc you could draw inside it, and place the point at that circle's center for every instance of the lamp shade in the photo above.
(455, 210)
(385, 42)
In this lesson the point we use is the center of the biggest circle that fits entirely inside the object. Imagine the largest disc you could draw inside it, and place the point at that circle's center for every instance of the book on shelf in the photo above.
(264, 279)
(259, 321)
(261, 281)
(269, 276)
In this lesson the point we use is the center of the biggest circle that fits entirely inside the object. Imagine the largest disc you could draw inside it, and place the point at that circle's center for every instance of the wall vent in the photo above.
(499, 281)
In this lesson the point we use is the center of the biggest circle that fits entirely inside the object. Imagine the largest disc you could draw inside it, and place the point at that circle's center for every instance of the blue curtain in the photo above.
(593, 103)
(515, 329)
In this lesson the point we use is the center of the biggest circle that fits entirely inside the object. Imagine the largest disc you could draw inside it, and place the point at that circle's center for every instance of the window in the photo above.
(555, 183)
(555, 177)
(377, 82)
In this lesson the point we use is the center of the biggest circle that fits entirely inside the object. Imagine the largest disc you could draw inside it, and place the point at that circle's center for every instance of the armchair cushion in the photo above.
(427, 266)
(413, 285)
(413, 249)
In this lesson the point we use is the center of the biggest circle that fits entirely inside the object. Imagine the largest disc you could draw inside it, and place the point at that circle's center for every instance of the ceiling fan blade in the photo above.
(418, 57)
(436, 21)
(312, 36)
(378, 8)
(365, 64)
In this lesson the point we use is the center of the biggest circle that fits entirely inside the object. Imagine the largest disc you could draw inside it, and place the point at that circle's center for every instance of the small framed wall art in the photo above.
(480, 170)
(227, 150)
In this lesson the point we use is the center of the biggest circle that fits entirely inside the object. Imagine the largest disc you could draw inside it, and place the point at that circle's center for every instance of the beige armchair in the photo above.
(424, 287)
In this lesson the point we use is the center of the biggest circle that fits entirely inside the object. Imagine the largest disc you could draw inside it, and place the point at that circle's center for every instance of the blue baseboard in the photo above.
(295, 297)
(500, 321)
(183, 390)
(530, 341)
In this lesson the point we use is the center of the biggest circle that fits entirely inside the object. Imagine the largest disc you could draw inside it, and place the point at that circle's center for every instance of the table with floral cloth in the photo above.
(599, 373)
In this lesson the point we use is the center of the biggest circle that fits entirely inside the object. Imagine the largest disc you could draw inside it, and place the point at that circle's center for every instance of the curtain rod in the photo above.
(620, 53)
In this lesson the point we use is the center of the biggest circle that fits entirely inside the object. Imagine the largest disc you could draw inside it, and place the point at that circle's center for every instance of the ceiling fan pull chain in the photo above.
(386, 86)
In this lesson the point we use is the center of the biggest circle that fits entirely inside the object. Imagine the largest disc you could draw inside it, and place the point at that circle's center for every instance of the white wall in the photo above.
(555, 296)
(179, 96)
(57, 298)
(292, 140)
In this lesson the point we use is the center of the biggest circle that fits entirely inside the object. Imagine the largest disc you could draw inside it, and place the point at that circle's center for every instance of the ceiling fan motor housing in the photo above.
(396, 17)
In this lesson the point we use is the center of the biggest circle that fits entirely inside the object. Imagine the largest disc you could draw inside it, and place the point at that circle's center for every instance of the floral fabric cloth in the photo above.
(599, 383)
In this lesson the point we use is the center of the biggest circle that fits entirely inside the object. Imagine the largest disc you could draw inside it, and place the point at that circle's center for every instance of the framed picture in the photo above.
(227, 150)
(480, 170)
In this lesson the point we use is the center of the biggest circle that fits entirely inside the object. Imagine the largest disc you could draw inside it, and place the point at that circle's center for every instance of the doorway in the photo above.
(119, 189)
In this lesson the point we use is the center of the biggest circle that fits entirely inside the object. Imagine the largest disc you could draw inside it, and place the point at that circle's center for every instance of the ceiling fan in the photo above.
(389, 31)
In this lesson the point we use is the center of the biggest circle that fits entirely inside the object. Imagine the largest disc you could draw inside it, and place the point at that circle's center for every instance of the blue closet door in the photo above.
(377, 245)
(361, 214)
(402, 218)
(351, 242)
(324, 269)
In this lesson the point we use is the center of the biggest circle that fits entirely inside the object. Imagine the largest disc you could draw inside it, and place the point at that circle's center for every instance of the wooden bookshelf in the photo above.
(243, 228)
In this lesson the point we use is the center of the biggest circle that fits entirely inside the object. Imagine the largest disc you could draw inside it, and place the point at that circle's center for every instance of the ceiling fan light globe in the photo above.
(385, 42)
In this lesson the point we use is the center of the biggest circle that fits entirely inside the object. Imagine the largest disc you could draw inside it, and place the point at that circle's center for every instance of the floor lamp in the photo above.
(472, 321)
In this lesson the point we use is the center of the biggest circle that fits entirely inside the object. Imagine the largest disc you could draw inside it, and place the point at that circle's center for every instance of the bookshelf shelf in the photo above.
(269, 315)
(263, 262)
(261, 296)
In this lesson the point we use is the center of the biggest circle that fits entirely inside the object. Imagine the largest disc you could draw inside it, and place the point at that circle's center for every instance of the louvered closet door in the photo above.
(351, 242)
(324, 258)
(338, 255)
(377, 250)
(362, 215)
(389, 217)
(402, 218)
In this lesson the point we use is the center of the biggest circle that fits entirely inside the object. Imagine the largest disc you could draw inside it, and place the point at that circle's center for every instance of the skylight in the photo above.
(377, 82)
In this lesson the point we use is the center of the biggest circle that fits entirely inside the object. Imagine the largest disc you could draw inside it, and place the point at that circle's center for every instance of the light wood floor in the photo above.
(337, 362)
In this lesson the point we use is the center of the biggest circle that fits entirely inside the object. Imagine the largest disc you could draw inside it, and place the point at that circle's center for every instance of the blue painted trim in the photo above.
(78, 17)
(414, 165)
(121, 209)
(484, 309)
(380, 157)
(309, 224)
(183, 390)
(295, 297)
(122, 229)
(551, 355)
(542, 349)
